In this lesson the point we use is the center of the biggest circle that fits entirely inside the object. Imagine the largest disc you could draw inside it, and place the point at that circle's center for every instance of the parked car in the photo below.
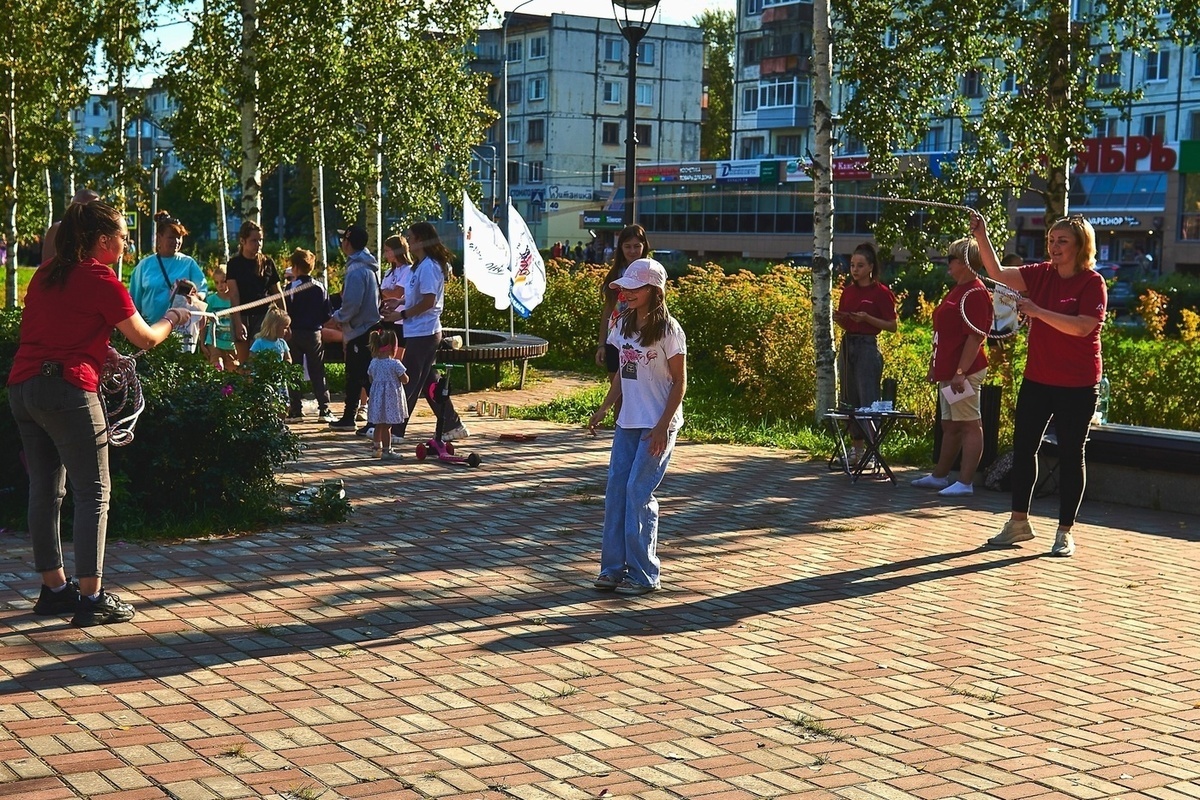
(840, 262)
(1108, 270)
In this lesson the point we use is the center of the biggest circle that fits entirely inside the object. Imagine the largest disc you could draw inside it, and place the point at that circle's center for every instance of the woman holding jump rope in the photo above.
(1065, 301)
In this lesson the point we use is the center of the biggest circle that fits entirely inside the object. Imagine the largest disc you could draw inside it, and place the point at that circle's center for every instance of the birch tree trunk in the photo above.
(822, 277)
(222, 219)
(251, 156)
(10, 186)
(318, 202)
(49, 187)
(375, 196)
(1058, 172)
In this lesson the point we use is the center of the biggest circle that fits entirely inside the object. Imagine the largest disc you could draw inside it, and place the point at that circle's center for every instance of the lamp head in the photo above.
(635, 13)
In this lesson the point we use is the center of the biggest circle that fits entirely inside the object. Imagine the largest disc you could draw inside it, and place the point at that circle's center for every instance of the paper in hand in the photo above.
(953, 397)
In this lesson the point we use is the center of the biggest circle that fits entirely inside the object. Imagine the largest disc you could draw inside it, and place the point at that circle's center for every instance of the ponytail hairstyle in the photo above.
(383, 343)
(163, 221)
(656, 321)
(399, 246)
(81, 228)
(274, 324)
(431, 243)
(249, 227)
(868, 251)
(607, 293)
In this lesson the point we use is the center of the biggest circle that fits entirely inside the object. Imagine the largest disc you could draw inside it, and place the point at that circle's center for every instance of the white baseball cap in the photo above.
(643, 272)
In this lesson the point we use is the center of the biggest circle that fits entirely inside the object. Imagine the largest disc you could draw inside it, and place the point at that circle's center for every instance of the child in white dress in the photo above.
(387, 406)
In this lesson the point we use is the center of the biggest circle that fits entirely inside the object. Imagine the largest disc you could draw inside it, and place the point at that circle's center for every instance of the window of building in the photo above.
(972, 83)
(1158, 66)
(750, 100)
(614, 49)
(752, 147)
(514, 131)
(493, 133)
(644, 138)
(645, 94)
(612, 92)
(891, 39)
(514, 50)
(608, 174)
(1108, 127)
(646, 54)
(854, 146)
(784, 93)
(95, 109)
(537, 47)
(536, 131)
(514, 91)
(514, 172)
(1110, 67)
(1189, 187)
(753, 7)
(932, 141)
(1009, 85)
(1195, 126)
(789, 145)
(610, 133)
(751, 52)
(1154, 125)
(535, 213)
(1196, 62)
(537, 88)
(535, 171)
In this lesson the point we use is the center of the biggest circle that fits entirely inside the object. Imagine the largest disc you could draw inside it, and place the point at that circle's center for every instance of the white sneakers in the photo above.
(1064, 544)
(931, 482)
(1014, 531)
(957, 489)
(945, 486)
(454, 434)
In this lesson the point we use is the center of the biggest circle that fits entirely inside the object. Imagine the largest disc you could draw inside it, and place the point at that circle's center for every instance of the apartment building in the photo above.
(566, 93)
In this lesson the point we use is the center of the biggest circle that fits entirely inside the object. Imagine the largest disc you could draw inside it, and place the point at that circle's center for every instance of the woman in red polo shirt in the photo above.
(866, 307)
(73, 303)
(1065, 299)
(959, 365)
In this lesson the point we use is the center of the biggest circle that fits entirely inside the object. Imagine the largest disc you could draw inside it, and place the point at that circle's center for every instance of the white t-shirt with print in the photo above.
(645, 376)
(426, 278)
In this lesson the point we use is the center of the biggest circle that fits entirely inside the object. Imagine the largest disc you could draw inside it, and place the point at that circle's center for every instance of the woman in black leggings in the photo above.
(1065, 300)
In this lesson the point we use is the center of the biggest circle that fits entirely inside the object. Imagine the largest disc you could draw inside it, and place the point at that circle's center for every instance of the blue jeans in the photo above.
(630, 541)
(65, 435)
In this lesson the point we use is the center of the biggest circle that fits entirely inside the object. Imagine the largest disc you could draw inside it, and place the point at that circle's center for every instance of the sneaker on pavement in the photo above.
(1064, 544)
(366, 430)
(361, 414)
(957, 489)
(326, 416)
(104, 610)
(606, 583)
(454, 434)
(628, 586)
(343, 424)
(51, 603)
(931, 482)
(392, 454)
(376, 452)
(1014, 531)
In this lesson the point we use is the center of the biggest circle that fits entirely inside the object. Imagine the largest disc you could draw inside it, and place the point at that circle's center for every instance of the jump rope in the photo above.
(121, 390)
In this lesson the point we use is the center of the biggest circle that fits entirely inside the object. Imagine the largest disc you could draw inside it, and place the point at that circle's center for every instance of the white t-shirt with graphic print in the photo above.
(645, 376)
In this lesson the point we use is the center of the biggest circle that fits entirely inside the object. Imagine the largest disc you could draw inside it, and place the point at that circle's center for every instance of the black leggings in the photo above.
(1071, 408)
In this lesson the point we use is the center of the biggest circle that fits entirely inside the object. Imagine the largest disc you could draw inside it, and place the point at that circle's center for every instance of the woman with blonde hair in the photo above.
(1065, 300)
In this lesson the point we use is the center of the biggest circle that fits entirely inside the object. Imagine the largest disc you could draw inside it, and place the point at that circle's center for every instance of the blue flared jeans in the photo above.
(630, 540)
(65, 436)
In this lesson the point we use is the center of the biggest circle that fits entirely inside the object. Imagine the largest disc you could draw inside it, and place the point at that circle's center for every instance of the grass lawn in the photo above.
(23, 276)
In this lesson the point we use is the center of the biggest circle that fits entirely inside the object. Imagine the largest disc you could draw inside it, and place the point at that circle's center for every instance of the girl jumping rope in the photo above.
(650, 384)
(387, 406)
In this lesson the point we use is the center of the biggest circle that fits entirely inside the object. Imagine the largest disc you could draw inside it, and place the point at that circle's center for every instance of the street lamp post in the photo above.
(504, 116)
(634, 18)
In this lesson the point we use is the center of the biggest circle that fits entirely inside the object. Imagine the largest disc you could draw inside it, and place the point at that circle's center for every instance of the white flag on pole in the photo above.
(485, 254)
(528, 268)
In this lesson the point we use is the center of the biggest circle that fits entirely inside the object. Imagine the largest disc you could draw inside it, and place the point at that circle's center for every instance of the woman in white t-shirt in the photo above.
(650, 385)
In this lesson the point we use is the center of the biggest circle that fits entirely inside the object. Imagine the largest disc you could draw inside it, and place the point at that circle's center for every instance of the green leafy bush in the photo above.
(204, 453)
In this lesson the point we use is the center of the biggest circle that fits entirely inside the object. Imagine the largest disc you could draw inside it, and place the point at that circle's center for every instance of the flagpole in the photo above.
(466, 322)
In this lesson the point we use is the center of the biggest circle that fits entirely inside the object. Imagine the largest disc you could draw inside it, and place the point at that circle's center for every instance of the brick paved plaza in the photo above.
(813, 640)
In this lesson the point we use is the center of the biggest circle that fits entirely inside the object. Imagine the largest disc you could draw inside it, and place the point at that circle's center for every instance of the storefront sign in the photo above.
(738, 171)
(557, 192)
(797, 169)
(697, 173)
(1129, 154)
(768, 172)
(601, 220)
(1114, 221)
(851, 168)
(661, 173)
